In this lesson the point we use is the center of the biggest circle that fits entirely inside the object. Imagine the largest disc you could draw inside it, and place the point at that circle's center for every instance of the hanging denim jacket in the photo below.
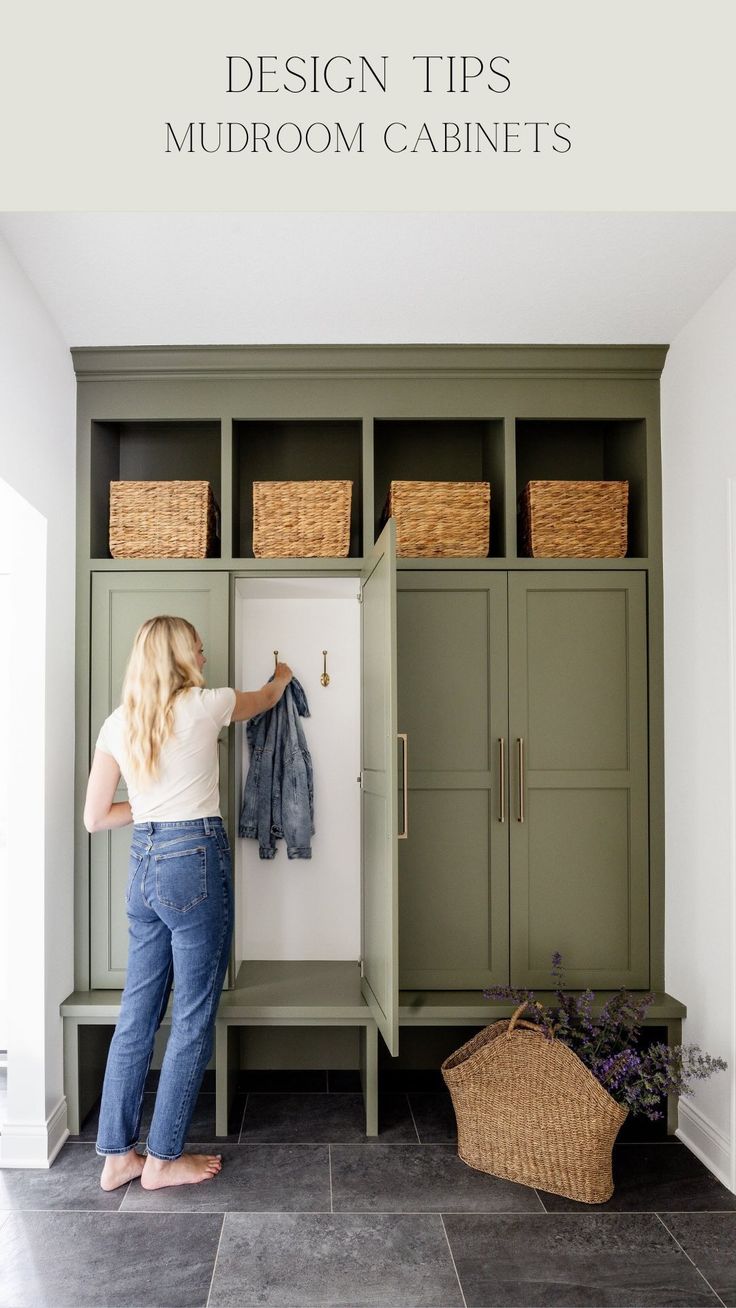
(278, 796)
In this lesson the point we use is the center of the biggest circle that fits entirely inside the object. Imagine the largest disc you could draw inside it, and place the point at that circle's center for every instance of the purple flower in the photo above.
(607, 1043)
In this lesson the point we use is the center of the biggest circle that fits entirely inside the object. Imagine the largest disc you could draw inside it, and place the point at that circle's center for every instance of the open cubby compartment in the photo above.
(441, 449)
(583, 449)
(147, 451)
(292, 449)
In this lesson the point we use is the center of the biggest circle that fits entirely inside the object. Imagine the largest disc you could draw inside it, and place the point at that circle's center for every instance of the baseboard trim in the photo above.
(32, 1144)
(708, 1144)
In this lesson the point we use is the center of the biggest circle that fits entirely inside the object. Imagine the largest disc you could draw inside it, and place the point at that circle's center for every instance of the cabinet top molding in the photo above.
(101, 363)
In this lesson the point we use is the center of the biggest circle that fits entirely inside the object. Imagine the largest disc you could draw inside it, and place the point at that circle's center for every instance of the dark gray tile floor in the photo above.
(308, 1213)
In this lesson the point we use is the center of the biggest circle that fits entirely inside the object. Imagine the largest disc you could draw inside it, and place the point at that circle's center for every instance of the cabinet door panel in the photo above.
(120, 603)
(444, 685)
(379, 774)
(564, 826)
(453, 868)
(445, 901)
(578, 700)
(577, 673)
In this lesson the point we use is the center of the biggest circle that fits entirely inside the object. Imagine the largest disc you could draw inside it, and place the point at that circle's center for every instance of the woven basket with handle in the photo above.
(530, 1111)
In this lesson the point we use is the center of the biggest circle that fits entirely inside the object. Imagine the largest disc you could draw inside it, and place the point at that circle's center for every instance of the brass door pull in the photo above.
(401, 735)
(502, 779)
(520, 747)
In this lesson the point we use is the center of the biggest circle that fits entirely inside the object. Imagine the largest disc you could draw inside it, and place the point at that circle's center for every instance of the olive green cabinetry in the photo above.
(121, 601)
(453, 706)
(578, 812)
(524, 697)
(529, 690)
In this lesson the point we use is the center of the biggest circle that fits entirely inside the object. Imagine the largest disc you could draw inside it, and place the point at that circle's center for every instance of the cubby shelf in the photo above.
(588, 450)
(441, 449)
(370, 452)
(147, 451)
(289, 450)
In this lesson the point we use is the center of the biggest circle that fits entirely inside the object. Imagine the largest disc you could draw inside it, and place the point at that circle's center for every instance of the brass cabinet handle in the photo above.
(520, 746)
(501, 779)
(402, 736)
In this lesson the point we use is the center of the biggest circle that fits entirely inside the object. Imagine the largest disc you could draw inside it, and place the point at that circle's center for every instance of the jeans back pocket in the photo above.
(181, 878)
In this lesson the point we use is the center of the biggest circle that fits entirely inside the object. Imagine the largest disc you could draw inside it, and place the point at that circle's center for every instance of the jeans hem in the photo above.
(164, 1158)
(299, 851)
(107, 1153)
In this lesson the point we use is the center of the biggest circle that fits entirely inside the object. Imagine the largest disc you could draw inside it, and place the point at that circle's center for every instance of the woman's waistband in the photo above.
(206, 824)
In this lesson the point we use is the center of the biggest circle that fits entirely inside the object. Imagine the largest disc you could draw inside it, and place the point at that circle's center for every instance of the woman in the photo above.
(163, 740)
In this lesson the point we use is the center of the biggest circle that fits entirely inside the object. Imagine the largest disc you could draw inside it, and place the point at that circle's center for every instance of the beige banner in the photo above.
(336, 106)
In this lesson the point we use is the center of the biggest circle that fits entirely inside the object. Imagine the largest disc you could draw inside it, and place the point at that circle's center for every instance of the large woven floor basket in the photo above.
(529, 1110)
(301, 519)
(163, 520)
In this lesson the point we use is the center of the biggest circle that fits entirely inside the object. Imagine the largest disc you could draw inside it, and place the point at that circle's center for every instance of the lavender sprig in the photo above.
(637, 1080)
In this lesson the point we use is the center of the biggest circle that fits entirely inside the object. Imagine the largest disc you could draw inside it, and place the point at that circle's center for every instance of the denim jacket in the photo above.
(278, 796)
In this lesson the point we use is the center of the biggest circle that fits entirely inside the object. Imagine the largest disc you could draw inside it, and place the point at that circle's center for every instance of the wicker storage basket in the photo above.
(440, 519)
(529, 1110)
(574, 519)
(162, 520)
(301, 519)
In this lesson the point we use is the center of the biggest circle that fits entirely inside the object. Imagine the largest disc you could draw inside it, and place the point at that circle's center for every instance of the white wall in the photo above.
(699, 483)
(5, 624)
(294, 908)
(37, 472)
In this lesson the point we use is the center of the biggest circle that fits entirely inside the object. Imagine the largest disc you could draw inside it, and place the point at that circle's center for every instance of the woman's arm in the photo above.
(248, 703)
(100, 814)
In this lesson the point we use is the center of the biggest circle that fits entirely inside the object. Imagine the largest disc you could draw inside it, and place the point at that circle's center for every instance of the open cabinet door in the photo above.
(379, 782)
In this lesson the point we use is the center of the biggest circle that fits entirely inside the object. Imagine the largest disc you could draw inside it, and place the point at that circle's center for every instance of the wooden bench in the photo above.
(309, 993)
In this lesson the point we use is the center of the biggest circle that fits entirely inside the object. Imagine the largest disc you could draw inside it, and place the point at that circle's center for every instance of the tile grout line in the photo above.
(414, 1120)
(329, 1165)
(214, 1265)
(452, 1258)
(690, 1260)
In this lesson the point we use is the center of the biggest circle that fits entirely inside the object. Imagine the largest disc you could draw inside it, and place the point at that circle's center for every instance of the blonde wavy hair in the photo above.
(162, 664)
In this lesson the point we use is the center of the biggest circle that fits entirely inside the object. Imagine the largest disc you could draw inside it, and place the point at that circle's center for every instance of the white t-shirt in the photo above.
(189, 768)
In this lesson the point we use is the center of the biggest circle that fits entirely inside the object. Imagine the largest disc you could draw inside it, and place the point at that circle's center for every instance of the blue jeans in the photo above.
(179, 901)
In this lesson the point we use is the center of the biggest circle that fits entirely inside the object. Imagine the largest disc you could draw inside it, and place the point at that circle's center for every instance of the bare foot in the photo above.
(188, 1169)
(121, 1168)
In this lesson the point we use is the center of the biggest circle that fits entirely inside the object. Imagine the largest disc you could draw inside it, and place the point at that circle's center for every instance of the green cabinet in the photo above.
(378, 778)
(120, 603)
(578, 821)
(454, 865)
(524, 698)
(498, 670)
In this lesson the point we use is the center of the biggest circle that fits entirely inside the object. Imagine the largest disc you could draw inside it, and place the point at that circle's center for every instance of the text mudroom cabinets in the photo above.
(488, 750)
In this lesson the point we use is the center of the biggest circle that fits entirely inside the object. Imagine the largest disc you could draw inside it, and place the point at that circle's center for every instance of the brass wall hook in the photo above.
(275, 659)
(325, 678)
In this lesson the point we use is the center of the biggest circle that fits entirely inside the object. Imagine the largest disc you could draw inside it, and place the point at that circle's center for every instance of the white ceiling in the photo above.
(210, 278)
